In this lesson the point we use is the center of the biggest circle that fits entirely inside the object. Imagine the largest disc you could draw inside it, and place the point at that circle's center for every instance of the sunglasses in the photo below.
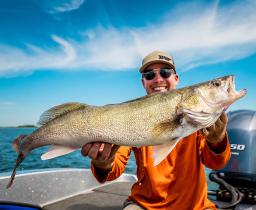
(150, 74)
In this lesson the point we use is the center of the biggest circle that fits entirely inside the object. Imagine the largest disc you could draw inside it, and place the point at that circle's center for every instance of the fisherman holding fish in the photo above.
(173, 133)
(179, 180)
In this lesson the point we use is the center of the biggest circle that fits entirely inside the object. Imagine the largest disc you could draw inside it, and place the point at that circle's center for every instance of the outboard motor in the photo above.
(238, 179)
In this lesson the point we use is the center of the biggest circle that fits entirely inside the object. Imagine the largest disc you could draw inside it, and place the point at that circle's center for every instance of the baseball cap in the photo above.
(157, 57)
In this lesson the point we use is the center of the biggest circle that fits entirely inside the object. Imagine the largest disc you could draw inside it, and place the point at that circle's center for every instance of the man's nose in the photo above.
(158, 77)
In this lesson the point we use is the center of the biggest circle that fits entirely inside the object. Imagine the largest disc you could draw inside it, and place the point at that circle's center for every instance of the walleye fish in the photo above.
(159, 120)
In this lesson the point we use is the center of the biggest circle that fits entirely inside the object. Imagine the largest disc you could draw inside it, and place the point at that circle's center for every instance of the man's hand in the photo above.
(215, 134)
(102, 154)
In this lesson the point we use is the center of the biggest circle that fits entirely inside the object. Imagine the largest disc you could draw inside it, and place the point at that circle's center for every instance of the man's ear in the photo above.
(177, 79)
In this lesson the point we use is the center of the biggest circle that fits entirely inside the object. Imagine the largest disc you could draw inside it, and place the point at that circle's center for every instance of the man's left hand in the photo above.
(216, 133)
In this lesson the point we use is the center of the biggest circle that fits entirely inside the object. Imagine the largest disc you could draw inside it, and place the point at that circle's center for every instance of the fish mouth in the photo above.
(232, 88)
(232, 92)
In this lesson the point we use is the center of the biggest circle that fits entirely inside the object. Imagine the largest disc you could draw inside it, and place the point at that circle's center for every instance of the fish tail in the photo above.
(20, 158)
(17, 142)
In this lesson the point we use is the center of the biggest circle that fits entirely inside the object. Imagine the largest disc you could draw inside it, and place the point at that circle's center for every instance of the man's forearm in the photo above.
(102, 169)
(219, 146)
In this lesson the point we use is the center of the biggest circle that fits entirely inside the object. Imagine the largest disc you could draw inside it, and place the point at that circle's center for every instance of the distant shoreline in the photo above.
(26, 126)
(19, 126)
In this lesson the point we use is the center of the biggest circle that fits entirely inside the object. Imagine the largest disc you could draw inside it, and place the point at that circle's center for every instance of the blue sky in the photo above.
(89, 51)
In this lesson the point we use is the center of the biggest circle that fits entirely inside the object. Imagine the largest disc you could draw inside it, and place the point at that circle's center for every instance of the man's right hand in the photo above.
(102, 154)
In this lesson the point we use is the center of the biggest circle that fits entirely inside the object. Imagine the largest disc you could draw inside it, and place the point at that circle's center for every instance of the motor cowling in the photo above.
(240, 172)
(242, 135)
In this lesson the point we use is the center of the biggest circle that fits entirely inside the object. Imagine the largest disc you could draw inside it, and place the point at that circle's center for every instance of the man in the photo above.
(179, 181)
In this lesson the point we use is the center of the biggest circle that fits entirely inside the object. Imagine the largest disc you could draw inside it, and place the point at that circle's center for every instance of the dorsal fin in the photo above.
(59, 110)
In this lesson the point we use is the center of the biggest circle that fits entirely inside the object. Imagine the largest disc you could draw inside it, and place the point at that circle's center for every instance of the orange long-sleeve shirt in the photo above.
(178, 182)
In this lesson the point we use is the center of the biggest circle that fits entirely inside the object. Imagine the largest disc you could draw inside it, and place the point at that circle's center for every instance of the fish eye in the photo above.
(216, 83)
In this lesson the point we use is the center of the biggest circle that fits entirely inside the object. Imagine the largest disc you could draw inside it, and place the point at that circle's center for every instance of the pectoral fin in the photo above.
(160, 152)
(57, 151)
(161, 129)
(201, 119)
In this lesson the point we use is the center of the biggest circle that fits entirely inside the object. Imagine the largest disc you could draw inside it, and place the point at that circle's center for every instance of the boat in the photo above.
(63, 189)
(69, 189)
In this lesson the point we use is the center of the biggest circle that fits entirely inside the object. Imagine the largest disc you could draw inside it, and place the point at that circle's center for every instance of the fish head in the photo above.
(220, 93)
(203, 103)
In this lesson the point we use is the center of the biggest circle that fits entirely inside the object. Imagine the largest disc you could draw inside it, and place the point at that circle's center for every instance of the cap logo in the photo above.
(162, 57)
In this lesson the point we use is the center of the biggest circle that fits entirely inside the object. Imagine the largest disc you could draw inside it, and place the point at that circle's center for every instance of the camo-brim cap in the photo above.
(157, 57)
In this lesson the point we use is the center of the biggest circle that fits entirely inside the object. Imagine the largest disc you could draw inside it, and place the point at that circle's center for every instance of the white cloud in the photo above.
(13, 60)
(6, 104)
(59, 6)
(207, 34)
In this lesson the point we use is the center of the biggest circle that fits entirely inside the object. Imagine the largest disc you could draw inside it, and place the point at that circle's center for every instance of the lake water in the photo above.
(33, 160)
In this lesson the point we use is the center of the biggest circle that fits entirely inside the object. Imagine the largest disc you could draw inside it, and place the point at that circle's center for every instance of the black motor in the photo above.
(239, 176)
